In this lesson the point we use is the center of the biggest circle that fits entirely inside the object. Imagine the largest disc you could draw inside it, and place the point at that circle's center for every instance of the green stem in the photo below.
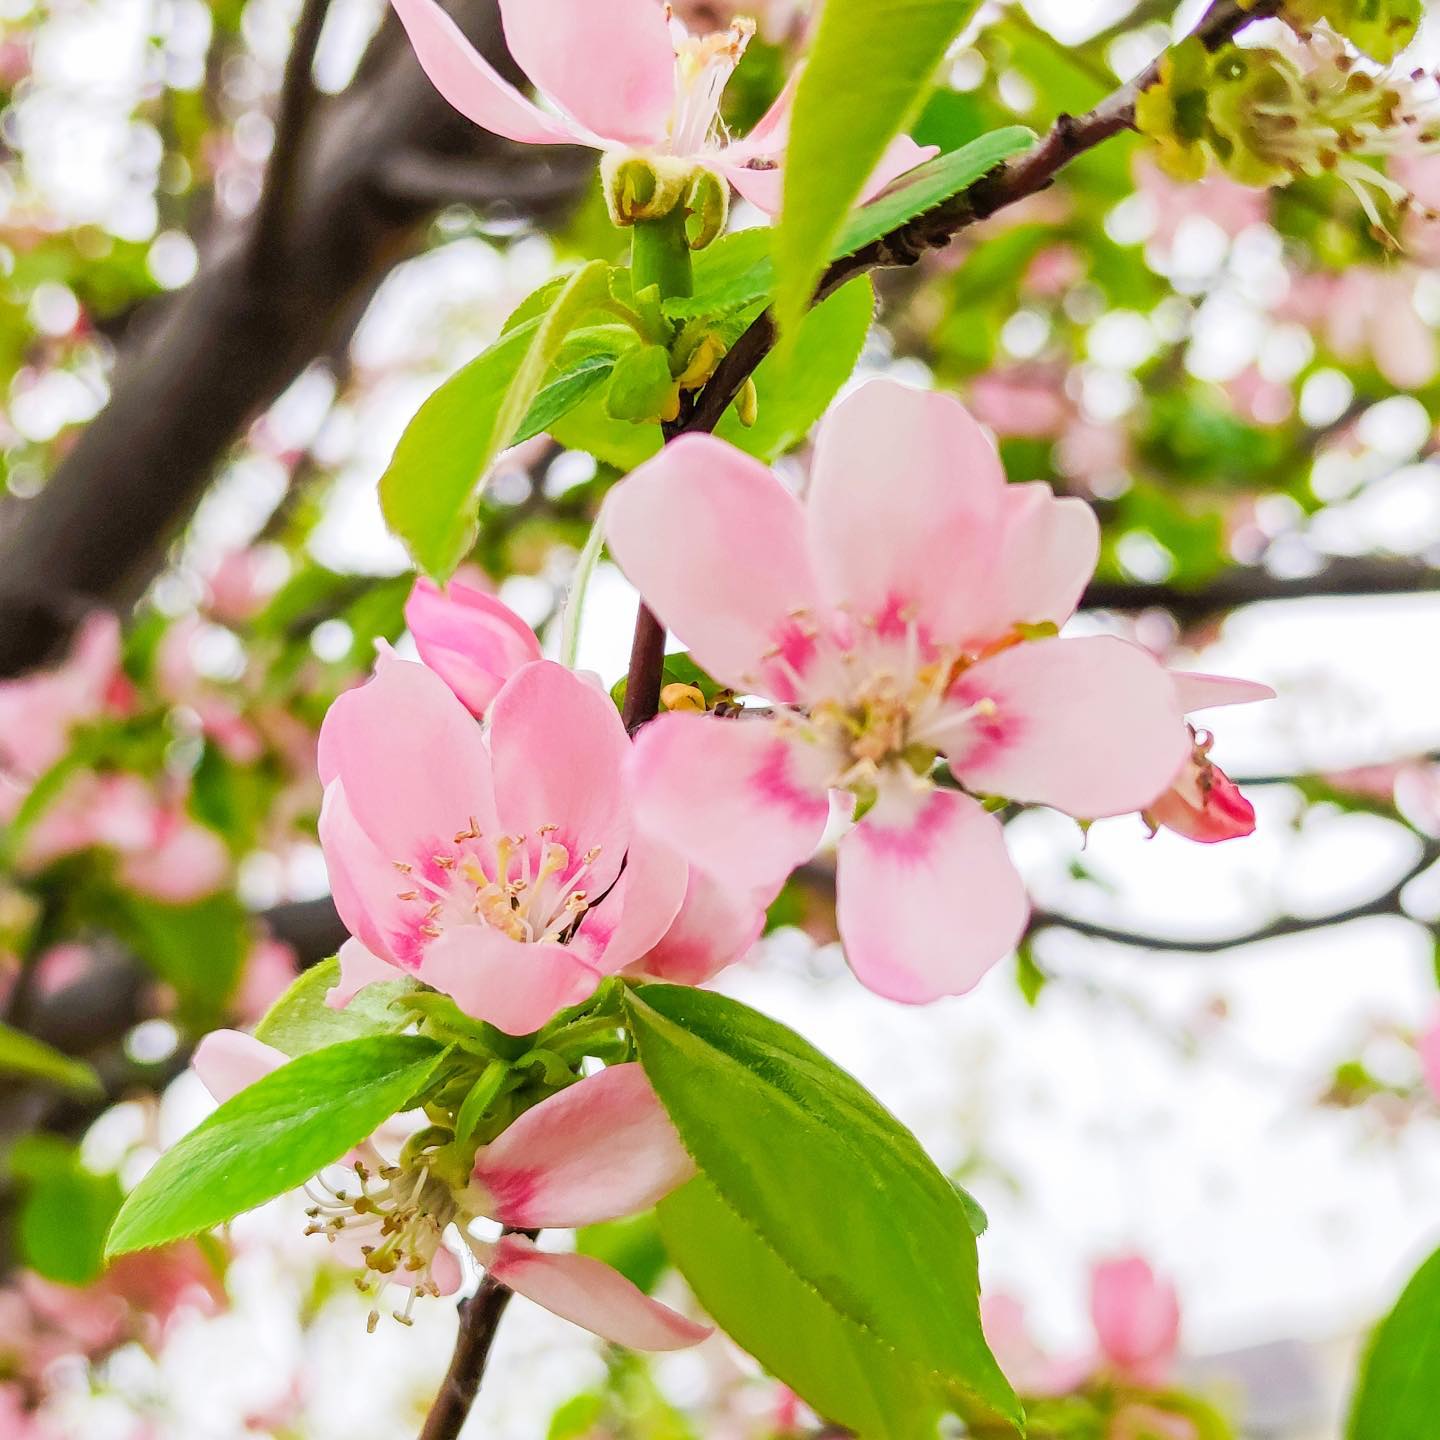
(660, 255)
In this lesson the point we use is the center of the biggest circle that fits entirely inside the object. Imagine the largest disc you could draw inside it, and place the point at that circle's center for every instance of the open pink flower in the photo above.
(622, 78)
(886, 618)
(471, 640)
(504, 867)
(1136, 1317)
(599, 1150)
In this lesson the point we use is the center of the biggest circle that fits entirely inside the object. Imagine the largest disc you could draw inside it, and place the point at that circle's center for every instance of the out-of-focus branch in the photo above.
(1387, 903)
(434, 181)
(207, 359)
(1342, 576)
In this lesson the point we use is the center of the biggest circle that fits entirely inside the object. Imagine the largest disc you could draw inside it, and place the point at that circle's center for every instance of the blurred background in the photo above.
(239, 243)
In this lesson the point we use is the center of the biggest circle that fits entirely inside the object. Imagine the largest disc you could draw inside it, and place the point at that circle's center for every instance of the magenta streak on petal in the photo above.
(773, 781)
(985, 736)
(911, 842)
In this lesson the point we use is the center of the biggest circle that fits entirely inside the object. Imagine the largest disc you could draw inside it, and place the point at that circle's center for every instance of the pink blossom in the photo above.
(184, 861)
(1136, 1318)
(38, 712)
(883, 617)
(242, 582)
(1219, 200)
(1428, 1048)
(622, 79)
(1023, 400)
(178, 680)
(1203, 803)
(503, 868)
(471, 640)
(1026, 1365)
(269, 968)
(599, 1150)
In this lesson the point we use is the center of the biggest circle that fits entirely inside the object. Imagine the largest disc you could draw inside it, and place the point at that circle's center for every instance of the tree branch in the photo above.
(479, 1320)
(1387, 903)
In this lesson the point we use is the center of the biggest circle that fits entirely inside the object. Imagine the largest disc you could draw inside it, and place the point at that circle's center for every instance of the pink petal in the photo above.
(516, 986)
(364, 884)
(1091, 726)
(638, 909)
(412, 759)
(901, 156)
(229, 1061)
(716, 545)
(756, 179)
(927, 899)
(609, 63)
(904, 509)
(591, 1294)
(358, 968)
(470, 639)
(600, 1150)
(472, 85)
(1203, 692)
(770, 134)
(1136, 1317)
(731, 796)
(716, 924)
(1428, 1046)
(1048, 549)
(559, 750)
(1204, 804)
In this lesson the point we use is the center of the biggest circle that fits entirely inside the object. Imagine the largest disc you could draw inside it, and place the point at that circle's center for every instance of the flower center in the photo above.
(525, 886)
(703, 67)
(397, 1215)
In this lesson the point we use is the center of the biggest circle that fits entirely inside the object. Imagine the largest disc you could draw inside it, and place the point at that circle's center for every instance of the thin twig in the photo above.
(479, 1320)
(292, 123)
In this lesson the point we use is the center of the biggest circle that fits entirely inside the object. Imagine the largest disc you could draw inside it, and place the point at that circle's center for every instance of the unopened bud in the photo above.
(747, 403)
(700, 364)
(642, 187)
(680, 696)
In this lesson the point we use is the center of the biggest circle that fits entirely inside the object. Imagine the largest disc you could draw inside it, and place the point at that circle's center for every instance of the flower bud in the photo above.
(747, 403)
(642, 187)
(680, 696)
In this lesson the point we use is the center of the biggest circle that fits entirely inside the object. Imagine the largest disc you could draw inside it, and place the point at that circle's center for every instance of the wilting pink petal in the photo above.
(1136, 1318)
(1204, 692)
(716, 924)
(927, 897)
(472, 85)
(904, 509)
(1203, 804)
(600, 1150)
(1428, 1046)
(358, 968)
(732, 796)
(473, 641)
(608, 63)
(411, 756)
(1048, 549)
(637, 910)
(516, 986)
(679, 526)
(559, 752)
(1091, 726)
(591, 1294)
(229, 1061)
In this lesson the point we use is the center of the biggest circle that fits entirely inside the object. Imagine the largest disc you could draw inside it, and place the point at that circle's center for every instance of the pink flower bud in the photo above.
(470, 639)
(1136, 1318)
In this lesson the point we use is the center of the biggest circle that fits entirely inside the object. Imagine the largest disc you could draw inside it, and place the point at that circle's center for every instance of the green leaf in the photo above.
(273, 1137)
(640, 385)
(930, 185)
(300, 1021)
(795, 384)
(32, 1059)
(873, 1315)
(65, 1212)
(619, 443)
(429, 490)
(198, 948)
(1397, 1396)
(562, 394)
(869, 66)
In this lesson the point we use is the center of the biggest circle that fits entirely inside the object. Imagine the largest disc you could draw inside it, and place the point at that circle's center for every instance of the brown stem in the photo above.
(479, 1320)
(647, 667)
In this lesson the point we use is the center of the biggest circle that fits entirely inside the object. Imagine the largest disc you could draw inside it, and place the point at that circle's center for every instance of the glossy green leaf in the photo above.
(273, 1137)
(794, 385)
(620, 443)
(873, 1315)
(300, 1021)
(429, 490)
(1398, 1393)
(30, 1059)
(841, 127)
(640, 385)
